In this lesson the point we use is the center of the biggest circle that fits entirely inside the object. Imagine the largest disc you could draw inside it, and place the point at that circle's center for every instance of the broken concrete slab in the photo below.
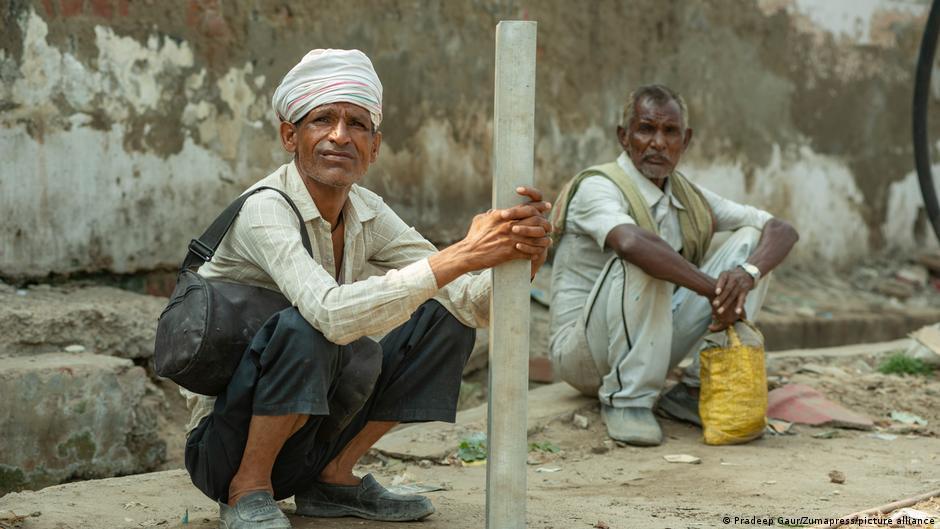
(781, 363)
(787, 331)
(925, 345)
(802, 404)
(861, 349)
(67, 416)
(435, 441)
(103, 320)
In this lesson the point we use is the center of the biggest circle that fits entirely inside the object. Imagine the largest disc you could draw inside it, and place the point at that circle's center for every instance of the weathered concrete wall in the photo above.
(125, 127)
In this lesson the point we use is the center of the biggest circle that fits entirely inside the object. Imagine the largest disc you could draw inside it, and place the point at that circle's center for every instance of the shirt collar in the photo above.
(355, 208)
(650, 192)
(362, 209)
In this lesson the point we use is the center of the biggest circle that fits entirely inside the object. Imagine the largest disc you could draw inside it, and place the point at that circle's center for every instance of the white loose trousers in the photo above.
(635, 328)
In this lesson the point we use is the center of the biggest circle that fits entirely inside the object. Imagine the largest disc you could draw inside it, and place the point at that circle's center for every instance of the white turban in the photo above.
(329, 76)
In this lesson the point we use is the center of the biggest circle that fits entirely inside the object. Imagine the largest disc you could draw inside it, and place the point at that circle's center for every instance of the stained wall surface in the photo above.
(126, 126)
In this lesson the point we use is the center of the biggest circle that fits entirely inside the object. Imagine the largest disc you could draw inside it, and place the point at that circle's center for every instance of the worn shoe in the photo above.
(678, 403)
(368, 500)
(635, 426)
(255, 510)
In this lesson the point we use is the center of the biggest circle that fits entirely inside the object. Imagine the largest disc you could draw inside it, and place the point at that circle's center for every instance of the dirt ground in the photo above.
(625, 487)
(591, 480)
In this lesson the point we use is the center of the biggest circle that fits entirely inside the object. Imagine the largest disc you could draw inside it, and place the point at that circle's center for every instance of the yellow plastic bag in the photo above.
(733, 398)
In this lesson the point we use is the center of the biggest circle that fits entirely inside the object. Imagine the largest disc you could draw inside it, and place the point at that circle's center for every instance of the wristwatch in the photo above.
(752, 271)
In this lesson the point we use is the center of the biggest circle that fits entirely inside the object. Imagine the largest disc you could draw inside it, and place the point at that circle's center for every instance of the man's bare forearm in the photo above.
(776, 240)
(450, 263)
(654, 256)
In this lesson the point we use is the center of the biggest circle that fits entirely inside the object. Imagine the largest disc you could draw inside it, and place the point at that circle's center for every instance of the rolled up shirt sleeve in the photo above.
(596, 208)
(730, 215)
(467, 297)
(266, 234)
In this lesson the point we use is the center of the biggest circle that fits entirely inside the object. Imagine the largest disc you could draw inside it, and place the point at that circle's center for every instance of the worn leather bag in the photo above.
(209, 323)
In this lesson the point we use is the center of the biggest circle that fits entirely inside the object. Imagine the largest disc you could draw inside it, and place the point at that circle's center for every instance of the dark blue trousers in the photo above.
(412, 375)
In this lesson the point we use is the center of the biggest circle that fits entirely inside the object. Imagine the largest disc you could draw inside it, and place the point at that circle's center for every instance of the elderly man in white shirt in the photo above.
(313, 393)
(634, 290)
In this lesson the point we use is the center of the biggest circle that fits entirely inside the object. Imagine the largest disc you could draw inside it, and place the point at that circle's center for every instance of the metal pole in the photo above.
(513, 159)
(925, 66)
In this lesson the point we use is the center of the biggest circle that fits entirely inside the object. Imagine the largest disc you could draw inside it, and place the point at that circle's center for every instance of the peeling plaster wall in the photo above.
(126, 126)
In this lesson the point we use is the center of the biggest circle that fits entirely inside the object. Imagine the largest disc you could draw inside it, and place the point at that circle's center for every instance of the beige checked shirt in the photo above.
(385, 273)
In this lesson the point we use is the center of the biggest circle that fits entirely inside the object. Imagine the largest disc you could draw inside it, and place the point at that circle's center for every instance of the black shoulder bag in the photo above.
(208, 323)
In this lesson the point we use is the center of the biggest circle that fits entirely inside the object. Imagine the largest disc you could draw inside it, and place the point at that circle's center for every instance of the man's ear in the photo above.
(288, 137)
(376, 143)
(622, 136)
(687, 139)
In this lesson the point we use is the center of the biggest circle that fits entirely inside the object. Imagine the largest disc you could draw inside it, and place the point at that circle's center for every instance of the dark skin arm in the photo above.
(776, 241)
(655, 257)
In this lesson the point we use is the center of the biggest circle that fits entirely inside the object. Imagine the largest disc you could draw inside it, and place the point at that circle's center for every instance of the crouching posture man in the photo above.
(632, 290)
(312, 393)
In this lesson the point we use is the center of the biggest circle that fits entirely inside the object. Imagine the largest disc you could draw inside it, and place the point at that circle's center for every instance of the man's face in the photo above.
(655, 138)
(334, 144)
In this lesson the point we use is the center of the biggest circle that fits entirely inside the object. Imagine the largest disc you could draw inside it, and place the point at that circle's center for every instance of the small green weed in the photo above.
(899, 364)
(472, 448)
(544, 446)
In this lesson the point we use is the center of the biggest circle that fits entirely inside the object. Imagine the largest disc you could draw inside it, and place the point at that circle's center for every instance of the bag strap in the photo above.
(202, 249)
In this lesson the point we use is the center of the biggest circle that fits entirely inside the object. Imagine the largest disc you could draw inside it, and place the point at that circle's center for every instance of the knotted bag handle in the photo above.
(733, 339)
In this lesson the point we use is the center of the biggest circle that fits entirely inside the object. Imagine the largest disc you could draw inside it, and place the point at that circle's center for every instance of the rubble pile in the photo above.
(915, 282)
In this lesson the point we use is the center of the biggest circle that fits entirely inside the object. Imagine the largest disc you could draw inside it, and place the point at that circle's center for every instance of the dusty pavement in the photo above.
(620, 486)
(624, 487)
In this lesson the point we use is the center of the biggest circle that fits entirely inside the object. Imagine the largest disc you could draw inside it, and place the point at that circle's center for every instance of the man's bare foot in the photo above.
(333, 475)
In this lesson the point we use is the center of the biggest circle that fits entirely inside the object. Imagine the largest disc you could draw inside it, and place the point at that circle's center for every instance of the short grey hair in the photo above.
(657, 93)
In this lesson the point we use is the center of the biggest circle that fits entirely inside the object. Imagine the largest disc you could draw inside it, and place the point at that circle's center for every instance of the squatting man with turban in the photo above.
(313, 393)
(634, 288)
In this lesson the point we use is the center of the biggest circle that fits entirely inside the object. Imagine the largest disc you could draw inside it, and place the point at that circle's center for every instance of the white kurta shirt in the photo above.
(598, 207)
(385, 273)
